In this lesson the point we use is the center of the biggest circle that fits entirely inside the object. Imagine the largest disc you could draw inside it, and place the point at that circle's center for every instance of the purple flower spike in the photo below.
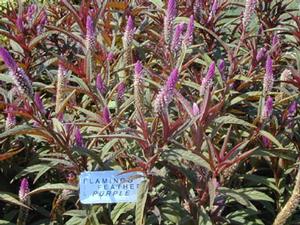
(121, 91)
(110, 56)
(106, 115)
(169, 21)
(213, 10)
(20, 23)
(31, 10)
(221, 68)
(188, 38)
(268, 108)
(138, 68)
(268, 78)
(292, 110)
(42, 23)
(100, 85)
(10, 120)
(90, 34)
(129, 33)
(138, 73)
(249, 10)
(196, 110)
(19, 77)
(171, 10)
(165, 96)
(207, 80)
(39, 103)
(198, 5)
(8, 60)
(275, 40)
(24, 190)
(266, 142)
(177, 40)
(78, 137)
(261, 54)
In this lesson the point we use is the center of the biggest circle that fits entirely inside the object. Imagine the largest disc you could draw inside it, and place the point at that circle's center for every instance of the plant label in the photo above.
(110, 186)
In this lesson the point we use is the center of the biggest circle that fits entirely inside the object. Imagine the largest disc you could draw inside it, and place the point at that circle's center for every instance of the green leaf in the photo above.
(106, 148)
(76, 212)
(119, 209)
(176, 155)
(158, 3)
(6, 78)
(52, 187)
(270, 137)
(21, 129)
(5, 222)
(268, 182)
(40, 37)
(204, 218)
(141, 201)
(38, 168)
(240, 198)
(233, 120)
(242, 97)
(94, 155)
(7, 197)
(64, 102)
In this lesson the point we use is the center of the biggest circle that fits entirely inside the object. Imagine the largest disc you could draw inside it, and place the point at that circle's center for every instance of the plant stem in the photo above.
(291, 204)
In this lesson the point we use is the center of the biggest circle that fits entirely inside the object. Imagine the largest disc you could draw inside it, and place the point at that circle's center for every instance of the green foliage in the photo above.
(218, 157)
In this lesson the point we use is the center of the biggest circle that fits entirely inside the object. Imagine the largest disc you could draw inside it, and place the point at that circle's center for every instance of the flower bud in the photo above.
(207, 80)
(169, 21)
(100, 85)
(267, 109)
(249, 10)
(165, 96)
(268, 78)
(24, 190)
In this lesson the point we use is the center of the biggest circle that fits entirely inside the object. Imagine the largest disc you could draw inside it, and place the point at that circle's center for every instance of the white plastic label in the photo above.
(110, 186)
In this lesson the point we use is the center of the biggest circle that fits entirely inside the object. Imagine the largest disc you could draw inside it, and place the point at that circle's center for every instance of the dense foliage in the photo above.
(199, 96)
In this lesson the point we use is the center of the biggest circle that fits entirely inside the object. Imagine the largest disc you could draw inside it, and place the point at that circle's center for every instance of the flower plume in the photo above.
(90, 34)
(268, 108)
(21, 80)
(268, 78)
(24, 190)
(207, 80)
(100, 85)
(169, 21)
(165, 96)
(177, 40)
(249, 10)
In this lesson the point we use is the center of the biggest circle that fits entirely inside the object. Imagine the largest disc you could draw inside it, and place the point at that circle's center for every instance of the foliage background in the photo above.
(187, 180)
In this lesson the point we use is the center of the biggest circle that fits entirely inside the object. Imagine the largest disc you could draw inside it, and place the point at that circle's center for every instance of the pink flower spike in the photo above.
(268, 108)
(268, 78)
(106, 115)
(169, 21)
(165, 96)
(24, 190)
(121, 91)
(248, 12)
(39, 103)
(8, 60)
(90, 34)
(196, 110)
(129, 33)
(100, 85)
(176, 41)
(188, 38)
(207, 80)
(78, 137)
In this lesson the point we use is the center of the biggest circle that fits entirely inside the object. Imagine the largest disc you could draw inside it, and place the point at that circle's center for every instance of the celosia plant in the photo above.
(201, 97)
